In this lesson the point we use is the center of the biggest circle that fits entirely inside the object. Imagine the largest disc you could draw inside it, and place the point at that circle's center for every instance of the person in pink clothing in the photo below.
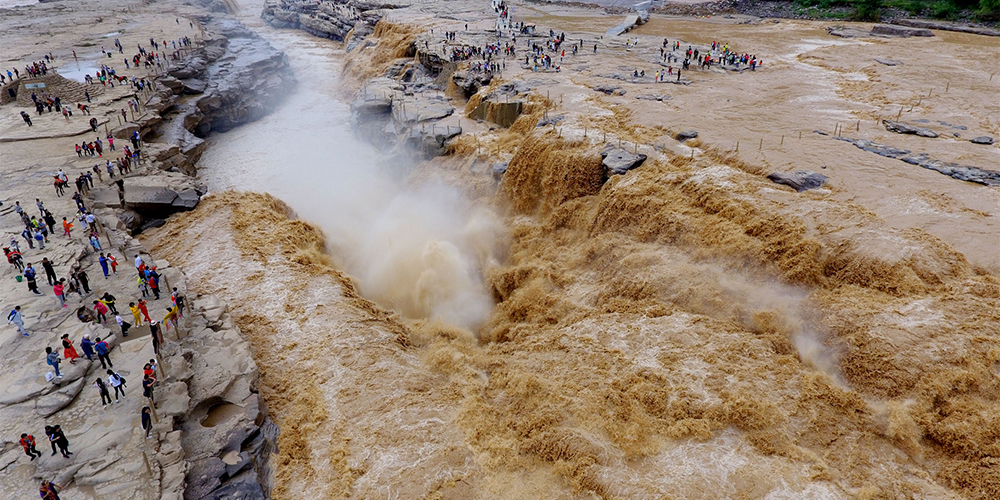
(101, 311)
(58, 290)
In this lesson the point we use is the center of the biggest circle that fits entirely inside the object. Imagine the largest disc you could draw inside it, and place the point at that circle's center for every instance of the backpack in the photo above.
(101, 347)
(120, 379)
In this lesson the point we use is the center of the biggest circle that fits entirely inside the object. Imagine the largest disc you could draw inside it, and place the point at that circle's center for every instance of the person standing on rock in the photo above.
(147, 388)
(100, 311)
(59, 290)
(178, 301)
(118, 382)
(146, 421)
(103, 352)
(26, 117)
(50, 272)
(124, 325)
(81, 276)
(17, 318)
(69, 352)
(104, 264)
(102, 388)
(52, 359)
(113, 262)
(58, 438)
(28, 443)
(135, 313)
(67, 228)
(29, 276)
(145, 311)
(154, 335)
(88, 347)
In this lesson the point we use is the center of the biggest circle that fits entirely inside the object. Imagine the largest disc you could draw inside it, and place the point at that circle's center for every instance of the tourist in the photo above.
(147, 388)
(52, 359)
(104, 264)
(58, 438)
(69, 352)
(100, 311)
(146, 421)
(103, 352)
(81, 276)
(17, 318)
(28, 443)
(124, 325)
(49, 490)
(59, 290)
(50, 272)
(113, 262)
(145, 311)
(29, 276)
(118, 382)
(178, 300)
(102, 388)
(135, 313)
(67, 228)
(109, 300)
(88, 347)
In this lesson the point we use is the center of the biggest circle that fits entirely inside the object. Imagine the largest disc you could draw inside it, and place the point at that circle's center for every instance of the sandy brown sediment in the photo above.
(686, 330)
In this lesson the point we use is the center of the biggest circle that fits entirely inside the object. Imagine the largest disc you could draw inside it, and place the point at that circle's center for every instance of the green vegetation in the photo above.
(871, 10)
(867, 10)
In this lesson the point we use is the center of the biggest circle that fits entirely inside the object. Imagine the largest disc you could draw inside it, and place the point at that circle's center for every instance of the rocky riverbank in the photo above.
(212, 435)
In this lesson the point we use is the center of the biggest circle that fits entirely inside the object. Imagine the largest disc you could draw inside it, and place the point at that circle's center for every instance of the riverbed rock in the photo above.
(983, 139)
(800, 180)
(685, 135)
(617, 161)
(471, 81)
(904, 128)
(899, 31)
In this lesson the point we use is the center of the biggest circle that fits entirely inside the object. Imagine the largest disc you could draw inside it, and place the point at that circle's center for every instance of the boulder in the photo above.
(193, 86)
(685, 135)
(983, 139)
(800, 180)
(899, 31)
(471, 81)
(498, 170)
(903, 128)
(617, 161)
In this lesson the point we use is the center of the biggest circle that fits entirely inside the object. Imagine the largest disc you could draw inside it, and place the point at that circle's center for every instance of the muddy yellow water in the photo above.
(688, 330)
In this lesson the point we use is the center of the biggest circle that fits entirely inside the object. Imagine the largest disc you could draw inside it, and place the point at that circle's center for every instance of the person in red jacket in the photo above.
(28, 443)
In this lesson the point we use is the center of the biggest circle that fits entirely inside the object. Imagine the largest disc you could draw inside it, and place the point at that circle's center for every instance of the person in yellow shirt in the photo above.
(135, 313)
(171, 317)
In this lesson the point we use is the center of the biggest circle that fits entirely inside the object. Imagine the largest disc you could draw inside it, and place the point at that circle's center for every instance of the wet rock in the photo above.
(983, 139)
(954, 170)
(375, 98)
(800, 180)
(552, 120)
(421, 108)
(609, 89)
(193, 86)
(888, 62)
(653, 97)
(873, 147)
(685, 135)
(903, 128)
(617, 161)
(471, 81)
(498, 170)
(205, 475)
(947, 26)
(847, 32)
(432, 141)
(899, 31)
